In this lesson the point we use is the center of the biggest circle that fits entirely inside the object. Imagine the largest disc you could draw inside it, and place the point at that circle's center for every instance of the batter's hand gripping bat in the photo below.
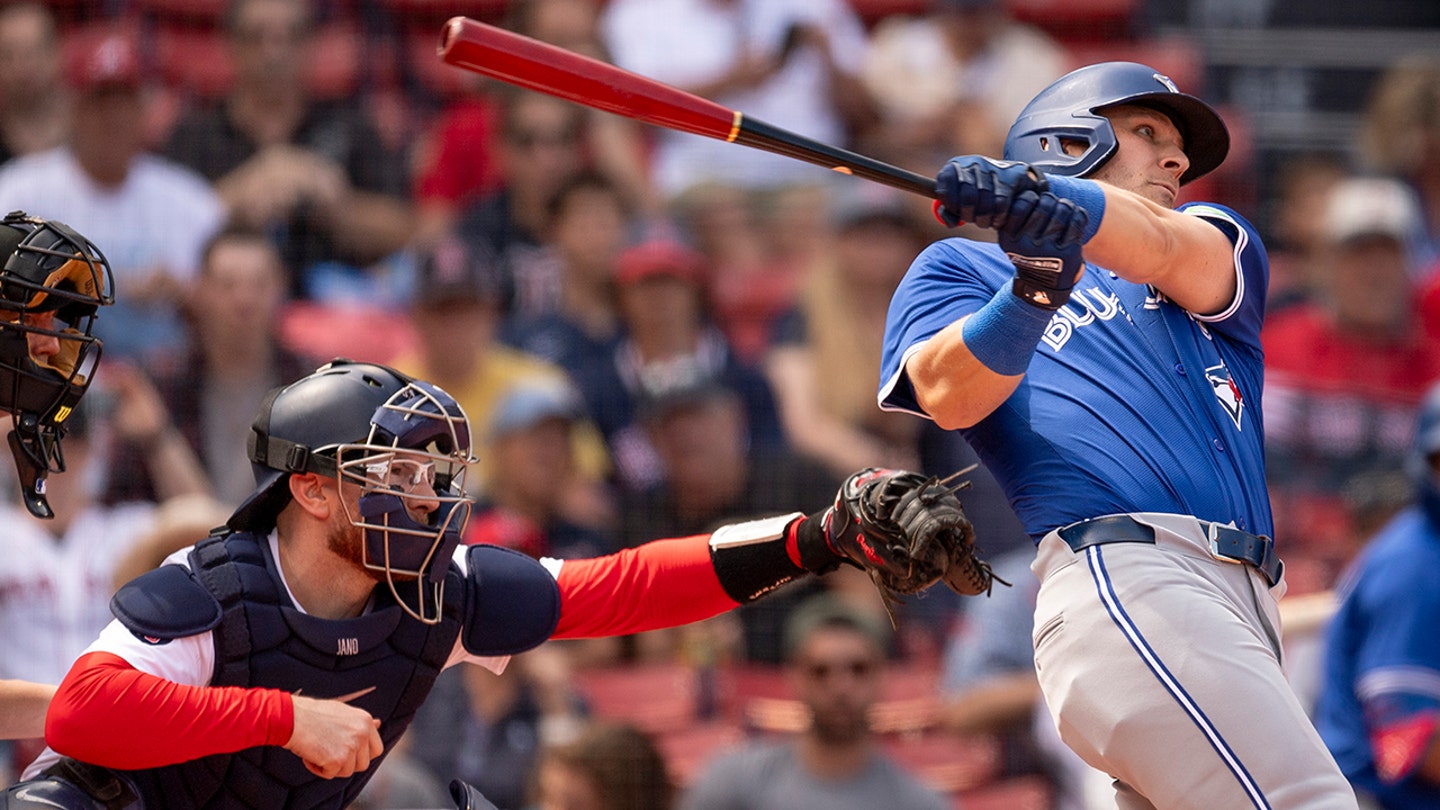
(528, 63)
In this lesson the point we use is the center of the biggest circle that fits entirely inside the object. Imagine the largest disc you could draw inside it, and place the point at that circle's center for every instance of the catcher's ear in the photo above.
(310, 493)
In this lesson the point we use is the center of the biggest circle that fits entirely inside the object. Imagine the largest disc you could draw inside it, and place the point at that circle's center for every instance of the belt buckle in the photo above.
(1212, 534)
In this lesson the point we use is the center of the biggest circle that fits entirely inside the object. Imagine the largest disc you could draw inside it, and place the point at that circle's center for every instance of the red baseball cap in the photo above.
(658, 258)
(114, 61)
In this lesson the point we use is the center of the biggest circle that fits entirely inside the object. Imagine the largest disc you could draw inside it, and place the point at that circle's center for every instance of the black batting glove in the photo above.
(977, 189)
(1042, 239)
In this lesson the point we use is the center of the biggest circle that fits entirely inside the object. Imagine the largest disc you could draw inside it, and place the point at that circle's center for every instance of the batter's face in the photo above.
(1149, 158)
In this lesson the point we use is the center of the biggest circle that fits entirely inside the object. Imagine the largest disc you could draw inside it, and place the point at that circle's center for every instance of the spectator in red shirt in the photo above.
(1344, 374)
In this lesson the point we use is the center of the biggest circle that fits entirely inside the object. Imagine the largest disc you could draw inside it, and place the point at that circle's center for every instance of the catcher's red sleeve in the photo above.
(108, 713)
(665, 583)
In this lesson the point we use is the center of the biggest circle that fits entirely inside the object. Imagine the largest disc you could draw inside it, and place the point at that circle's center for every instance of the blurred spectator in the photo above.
(56, 578)
(791, 63)
(724, 223)
(462, 157)
(1299, 226)
(794, 236)
(1401, 137)
(609, 766)
(951, 81)
(835, 658)
(455, 315)
(587, 222)
(530, 441)
(1380, 706)
(151, 215)
(488, 730)
(234, 359)
(1343, 376)
(34, 103)
(538, 149)
(714, 475)
(617, 146)
(454, 159)
(824, 358)
(669, 343)
(315, 176)
(402, 783)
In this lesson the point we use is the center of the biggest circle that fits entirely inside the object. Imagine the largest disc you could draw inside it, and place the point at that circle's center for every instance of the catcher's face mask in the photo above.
(408, 481)
(52, 281)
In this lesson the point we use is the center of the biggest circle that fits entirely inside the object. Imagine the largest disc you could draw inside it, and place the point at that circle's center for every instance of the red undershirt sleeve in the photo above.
(665, 583)
(108, 713)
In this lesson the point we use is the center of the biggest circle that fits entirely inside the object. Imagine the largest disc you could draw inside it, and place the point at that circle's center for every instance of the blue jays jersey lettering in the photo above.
(1176, 430)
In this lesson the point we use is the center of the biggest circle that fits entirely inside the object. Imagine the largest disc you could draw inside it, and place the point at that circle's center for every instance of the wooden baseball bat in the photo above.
(529, 63)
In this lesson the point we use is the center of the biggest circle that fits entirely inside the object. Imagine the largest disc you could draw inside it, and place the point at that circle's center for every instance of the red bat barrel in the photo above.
(524, 62)
(536, 65)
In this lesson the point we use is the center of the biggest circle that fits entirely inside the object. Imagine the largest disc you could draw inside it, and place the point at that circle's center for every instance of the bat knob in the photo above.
(935, 209)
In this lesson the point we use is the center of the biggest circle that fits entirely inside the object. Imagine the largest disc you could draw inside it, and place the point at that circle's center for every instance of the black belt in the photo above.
(1226, 543)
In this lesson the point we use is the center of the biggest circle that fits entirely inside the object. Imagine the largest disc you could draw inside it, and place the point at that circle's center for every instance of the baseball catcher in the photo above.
(904, 529)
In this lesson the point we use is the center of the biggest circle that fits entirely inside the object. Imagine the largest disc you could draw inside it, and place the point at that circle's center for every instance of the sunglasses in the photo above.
(529, 139)
(822, 670)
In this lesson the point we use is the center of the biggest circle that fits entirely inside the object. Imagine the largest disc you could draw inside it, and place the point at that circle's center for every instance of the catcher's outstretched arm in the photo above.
(667, 583)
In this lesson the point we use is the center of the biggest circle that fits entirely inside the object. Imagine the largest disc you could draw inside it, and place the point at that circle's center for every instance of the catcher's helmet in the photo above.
(380, 434)
(52, 281)
(1067, 109)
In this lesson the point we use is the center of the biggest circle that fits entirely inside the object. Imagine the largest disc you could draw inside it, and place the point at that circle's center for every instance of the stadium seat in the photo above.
(657, 698)
(1074, 22)
(195, 60)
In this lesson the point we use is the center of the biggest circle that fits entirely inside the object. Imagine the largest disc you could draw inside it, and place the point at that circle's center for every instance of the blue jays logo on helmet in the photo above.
(1068, 109)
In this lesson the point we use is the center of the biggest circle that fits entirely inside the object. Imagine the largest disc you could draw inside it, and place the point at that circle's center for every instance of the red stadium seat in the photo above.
(425, 14)
(1021, 793)
(184, 12)
(193, 61)
(657, 698)
(1075, 22)
(196, 60)
(688, 750)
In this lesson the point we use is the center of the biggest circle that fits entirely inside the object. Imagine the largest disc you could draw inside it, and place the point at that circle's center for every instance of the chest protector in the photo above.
(263, 641)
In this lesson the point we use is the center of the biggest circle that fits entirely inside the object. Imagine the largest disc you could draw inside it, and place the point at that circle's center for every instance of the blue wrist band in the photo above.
(1003, 334)
(1086, 194)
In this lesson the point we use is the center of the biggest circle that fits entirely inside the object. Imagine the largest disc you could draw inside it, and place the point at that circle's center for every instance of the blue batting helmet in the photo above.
(1067, 109)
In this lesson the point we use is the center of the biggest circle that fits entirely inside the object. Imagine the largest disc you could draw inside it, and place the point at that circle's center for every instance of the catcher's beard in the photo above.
(347, 541)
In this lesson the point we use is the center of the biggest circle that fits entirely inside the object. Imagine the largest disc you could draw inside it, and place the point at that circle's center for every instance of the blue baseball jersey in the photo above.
(1130, 403)
(1381, 696)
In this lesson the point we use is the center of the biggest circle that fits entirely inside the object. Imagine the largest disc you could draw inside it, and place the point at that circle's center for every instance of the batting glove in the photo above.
(1042, 238)
(977, 189)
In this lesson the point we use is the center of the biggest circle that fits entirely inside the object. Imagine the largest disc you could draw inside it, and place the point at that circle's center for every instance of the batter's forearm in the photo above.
(952, 385)
(1187, 258)
(109, 713)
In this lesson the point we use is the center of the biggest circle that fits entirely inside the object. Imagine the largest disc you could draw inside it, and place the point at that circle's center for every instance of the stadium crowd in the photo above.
(651, 333)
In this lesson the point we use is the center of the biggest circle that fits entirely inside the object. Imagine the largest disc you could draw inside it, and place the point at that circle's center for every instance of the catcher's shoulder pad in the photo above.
(512, 604)
(164, 604)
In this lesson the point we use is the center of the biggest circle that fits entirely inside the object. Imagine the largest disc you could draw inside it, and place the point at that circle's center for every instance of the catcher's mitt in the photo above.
(907, 531)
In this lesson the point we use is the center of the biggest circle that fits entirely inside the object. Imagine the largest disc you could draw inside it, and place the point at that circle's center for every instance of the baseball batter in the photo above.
(1104, 361)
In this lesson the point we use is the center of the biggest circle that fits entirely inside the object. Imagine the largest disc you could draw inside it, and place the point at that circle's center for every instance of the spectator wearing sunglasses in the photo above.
(835, 658)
